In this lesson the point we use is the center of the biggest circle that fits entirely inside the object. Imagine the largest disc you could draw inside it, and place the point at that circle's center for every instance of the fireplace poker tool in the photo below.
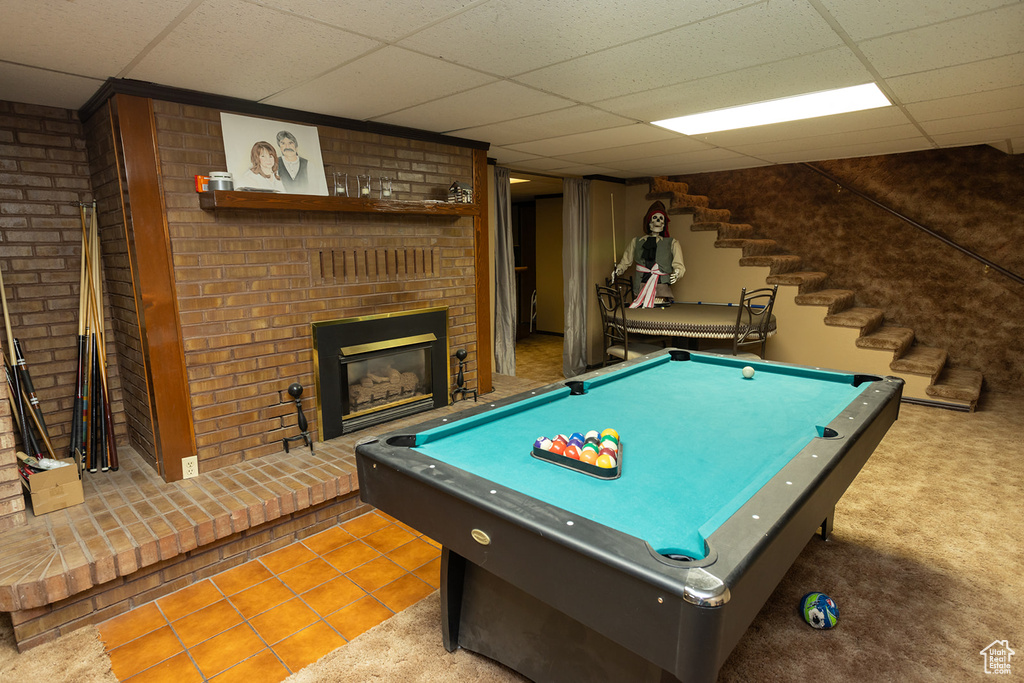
(295, 391)
(460, 379)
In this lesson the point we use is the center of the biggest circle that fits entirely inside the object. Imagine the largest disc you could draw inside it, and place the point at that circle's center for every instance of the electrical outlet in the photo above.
(190, 467)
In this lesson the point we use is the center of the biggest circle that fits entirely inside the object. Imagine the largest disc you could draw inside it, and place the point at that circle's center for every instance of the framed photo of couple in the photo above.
(264, 155)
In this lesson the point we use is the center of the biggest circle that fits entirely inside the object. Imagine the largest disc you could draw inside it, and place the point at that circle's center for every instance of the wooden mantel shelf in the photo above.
(233, 199)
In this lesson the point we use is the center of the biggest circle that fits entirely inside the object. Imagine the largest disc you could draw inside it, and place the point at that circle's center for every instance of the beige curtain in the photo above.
(504, 278)
(575, 222)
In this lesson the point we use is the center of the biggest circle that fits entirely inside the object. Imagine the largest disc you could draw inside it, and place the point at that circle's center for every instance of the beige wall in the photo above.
(550, 300)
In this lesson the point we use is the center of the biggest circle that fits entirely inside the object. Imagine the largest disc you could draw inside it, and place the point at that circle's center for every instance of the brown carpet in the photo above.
(925, 565)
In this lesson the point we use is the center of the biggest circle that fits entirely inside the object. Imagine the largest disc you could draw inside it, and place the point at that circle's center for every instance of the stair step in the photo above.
(866, 319)
(778, 263)
(921, 360)
(749, 247)
(687, 201)
(888, 337)
(702, 214)
(661, 184)
(957, 384)
(725, 230)
(836, 299)
(807, 281)
(758, 247)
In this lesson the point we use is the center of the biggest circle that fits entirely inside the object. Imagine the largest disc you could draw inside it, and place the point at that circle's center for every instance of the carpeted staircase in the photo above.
(957, 387)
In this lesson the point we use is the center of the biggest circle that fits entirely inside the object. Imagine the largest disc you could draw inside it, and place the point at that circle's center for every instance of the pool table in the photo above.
(656, 574)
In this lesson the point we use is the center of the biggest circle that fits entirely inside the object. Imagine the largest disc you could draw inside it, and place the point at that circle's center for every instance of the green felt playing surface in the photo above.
(698, 440)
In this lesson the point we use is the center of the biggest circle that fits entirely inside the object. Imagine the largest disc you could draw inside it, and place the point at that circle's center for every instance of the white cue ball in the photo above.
(748, 372)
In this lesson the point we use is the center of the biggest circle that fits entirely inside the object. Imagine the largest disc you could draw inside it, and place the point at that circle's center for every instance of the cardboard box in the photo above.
(54, 489)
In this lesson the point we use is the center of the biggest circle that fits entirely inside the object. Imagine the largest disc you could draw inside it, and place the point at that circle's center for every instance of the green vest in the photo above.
(662, 256)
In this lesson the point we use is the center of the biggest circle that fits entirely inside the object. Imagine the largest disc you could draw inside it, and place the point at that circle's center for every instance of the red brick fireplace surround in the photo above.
(210, 300)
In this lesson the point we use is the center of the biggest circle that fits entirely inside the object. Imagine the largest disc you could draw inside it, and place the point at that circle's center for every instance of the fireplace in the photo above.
(373, 369)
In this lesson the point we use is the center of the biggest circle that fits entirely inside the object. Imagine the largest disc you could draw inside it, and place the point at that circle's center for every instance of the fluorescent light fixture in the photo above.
(812, 105)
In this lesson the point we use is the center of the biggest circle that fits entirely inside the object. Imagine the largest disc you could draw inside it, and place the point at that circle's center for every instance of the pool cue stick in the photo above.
(35, 420)
(17, 407)
(30, 390)
(26, 436)
(105, 434)
(76, 446)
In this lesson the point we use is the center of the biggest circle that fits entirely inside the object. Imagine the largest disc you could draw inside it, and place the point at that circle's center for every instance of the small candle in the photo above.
(365, 191)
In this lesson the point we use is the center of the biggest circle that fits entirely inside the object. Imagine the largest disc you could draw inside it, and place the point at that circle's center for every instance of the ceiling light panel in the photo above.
(800, 107)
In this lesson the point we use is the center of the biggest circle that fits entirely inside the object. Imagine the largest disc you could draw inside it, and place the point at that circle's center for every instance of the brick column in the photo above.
(12, 501)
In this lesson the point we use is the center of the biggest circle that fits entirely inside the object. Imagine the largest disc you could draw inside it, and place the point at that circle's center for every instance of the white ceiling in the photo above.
(558, 87)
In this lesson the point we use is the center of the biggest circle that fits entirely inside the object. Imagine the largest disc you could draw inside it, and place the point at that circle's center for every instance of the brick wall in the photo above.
(43, 177)
(250, 283)
(12, 501)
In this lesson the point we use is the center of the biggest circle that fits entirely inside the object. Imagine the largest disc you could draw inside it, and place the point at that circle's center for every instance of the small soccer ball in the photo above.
(819, 610)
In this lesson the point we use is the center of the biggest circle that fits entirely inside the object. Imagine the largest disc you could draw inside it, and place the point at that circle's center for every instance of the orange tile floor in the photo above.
(268, 618)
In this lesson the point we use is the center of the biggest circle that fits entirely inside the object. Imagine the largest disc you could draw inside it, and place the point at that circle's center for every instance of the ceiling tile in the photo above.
(873, 18)
(773, 148)
(539, 164)
(96, 39)
(386, 21)
(913, 144)
(969, 105)
(679, 144)
(598, 139)
(509, 156)
(981, 137)
(578, 119)
(770, 31)
(508, 37)
(989, 74)
(354, 90)
(961, 41)
(988, 121)
(583, 169)
(834, 68)
(491, 103)
(49, 88)
(705, 161)
(235, 48)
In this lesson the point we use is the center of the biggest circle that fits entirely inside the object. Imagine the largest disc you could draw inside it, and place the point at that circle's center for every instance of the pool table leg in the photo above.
(453, 577)
(826, 525)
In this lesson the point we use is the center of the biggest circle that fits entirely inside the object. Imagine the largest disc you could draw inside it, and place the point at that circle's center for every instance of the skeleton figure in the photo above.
(656, 253)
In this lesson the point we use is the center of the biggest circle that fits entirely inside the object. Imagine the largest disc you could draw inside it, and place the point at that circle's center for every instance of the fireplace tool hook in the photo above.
(295, 391)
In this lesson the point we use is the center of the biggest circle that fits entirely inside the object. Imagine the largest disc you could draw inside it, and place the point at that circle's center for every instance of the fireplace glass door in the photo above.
(384, 382)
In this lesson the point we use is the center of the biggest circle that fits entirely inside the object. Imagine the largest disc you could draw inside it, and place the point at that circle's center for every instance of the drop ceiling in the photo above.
(557, 87)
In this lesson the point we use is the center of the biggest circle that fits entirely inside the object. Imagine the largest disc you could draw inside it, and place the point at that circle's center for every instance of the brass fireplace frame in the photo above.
(317, 327)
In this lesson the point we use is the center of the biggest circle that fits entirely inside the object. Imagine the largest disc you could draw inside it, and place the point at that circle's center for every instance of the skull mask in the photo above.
(657, 224)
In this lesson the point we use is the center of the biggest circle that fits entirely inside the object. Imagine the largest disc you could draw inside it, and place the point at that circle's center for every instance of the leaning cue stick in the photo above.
(30, 390)
(76, 448)
(103, 418)
(26, 436)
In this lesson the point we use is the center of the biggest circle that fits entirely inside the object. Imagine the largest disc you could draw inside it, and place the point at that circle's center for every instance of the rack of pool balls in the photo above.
(598, 454)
